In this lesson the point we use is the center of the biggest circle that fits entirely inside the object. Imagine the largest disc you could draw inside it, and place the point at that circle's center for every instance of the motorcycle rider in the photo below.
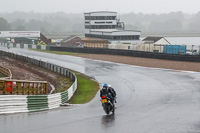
(104, 90)
(112, 92)
(108, 91)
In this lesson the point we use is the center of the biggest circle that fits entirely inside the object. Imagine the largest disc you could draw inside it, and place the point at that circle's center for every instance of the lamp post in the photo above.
(192, 49)
(160, 48)
(199, 50)
(149, 46)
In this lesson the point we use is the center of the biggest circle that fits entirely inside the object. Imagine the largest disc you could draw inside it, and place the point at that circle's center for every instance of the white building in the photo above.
(152, 44)
(105, 25)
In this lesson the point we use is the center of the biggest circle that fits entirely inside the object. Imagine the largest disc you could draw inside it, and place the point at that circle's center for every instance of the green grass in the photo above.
(87, 89)
(58, 52)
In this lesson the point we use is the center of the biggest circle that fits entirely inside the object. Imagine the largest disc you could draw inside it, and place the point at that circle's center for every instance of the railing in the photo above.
(6, 72)
(22, 87)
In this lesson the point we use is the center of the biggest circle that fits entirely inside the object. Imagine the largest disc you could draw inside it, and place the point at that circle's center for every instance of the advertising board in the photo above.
(14, 34)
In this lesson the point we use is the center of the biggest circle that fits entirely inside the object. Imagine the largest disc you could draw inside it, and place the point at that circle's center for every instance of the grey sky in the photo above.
(80, 6)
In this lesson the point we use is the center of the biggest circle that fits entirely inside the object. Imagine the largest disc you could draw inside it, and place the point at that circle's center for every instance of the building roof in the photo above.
(68, 38)
(113, 30)
(100, 12)
(154, 39)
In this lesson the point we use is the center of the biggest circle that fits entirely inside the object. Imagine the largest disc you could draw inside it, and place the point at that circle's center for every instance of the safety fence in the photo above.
(5, 71)
(163, 56)
(29, 103)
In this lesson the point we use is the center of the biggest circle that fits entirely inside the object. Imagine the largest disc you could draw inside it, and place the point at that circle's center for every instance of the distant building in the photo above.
(157, 40)
(71, 41)
(95, 43)
(30, 37)
(122, 46)
(105, 25)
(152, 44)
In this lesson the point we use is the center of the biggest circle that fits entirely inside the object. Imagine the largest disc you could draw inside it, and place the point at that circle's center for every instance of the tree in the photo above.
(173, 25)
(4, 25)
(194, 25)
(43, 30)
(18, 25)
(20, 28)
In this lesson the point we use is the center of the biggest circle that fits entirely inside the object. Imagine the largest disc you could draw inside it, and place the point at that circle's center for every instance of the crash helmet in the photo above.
(109, 86)
(105, 85)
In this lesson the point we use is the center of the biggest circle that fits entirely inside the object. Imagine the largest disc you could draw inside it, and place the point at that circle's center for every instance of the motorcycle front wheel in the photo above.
(106, 108)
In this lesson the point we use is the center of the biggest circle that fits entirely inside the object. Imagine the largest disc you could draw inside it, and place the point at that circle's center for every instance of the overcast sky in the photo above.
(80, 6)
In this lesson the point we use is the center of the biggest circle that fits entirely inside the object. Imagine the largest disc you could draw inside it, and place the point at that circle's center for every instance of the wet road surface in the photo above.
(149, 100)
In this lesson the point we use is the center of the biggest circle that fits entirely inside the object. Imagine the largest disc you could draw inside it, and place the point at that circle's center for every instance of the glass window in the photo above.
(87, 27)
(86, 17)
(100, 17)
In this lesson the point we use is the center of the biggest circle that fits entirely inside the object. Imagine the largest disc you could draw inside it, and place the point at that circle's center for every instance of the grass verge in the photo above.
(87, 89)
(58, 52)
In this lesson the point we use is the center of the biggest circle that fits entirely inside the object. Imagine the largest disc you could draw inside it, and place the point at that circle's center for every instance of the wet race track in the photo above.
(149, 101)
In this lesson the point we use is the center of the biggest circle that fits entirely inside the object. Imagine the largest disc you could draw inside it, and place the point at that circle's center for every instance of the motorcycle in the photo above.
(107, 105)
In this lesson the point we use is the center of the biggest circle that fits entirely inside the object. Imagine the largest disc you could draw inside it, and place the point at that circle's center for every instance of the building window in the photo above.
(137, 37)
(87, 18)
(100, 18)
(103, 26)
(99, 22)
(129, 37)
(110, 22)
(87, 26)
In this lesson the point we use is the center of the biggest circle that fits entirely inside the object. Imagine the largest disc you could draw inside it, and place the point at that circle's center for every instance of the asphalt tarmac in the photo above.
(148, 101)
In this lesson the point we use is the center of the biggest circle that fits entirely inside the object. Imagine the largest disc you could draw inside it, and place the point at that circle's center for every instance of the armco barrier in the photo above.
(43, 47)
(34, 46)
(26, 46)
(176, 57)
(18, 45)
(36, 103)
(29, 103)
(13, 104)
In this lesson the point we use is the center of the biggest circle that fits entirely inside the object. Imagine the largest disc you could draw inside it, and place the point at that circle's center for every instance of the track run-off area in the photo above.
(148, 100)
